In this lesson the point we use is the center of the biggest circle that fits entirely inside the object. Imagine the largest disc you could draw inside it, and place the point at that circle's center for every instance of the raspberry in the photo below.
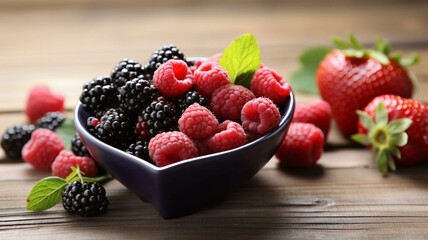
(231, 135)
(62, 164)
(260, 115)
(227, 101)
(126, 70)
(267, 83)
(51, 120)
(14, 139)
(198, 122)
(202, 146)
(170, 147)
(302, 146)
(84, 199)
(317, 113)
(161, 56)
(42, 148)
(173, 78)
(208, 77)
(214, 58)
(41, 101)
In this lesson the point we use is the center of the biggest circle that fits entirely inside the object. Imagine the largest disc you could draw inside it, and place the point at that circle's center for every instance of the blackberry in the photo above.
(140, 149)
(114, 128)
(78, 148)
(136, 94)
(162, 55)
(98, 95)
(84, 199)
(51, 120)
(190, 98)
(141, 129)
(91, 123)
(126, 70)
(161, 116)
(14, 138)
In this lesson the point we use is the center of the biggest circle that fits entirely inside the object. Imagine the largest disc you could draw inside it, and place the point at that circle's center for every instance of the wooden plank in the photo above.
(273, 204)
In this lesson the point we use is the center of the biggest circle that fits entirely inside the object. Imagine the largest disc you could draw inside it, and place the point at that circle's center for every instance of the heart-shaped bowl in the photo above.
(184, 187)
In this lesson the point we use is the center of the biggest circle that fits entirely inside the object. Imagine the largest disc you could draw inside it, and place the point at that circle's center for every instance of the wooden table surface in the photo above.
(66, 43)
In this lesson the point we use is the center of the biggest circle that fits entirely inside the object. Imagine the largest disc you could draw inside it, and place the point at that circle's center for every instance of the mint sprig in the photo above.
(47, 191)
(45, 194)
(241, 59)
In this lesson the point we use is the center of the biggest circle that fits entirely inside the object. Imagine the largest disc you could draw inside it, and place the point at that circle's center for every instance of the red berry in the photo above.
(348, 79)
(317, 113)
(40, 101)
(227, 101)
(202, 146)
(62, 164)
(260, 115)
(231, 135)
(208, 77)
(173, 78)
(198, 122)
(267, 83)
(42, 148)
(398, 134)
(302, 146)
(170, 147)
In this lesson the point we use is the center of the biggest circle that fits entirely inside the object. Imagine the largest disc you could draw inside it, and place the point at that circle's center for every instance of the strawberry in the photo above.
(317, 113)
(396, 129)
(302, 147)
(350, 77)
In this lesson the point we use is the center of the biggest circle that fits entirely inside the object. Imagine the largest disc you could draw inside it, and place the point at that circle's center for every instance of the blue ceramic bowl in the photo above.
(184, 187)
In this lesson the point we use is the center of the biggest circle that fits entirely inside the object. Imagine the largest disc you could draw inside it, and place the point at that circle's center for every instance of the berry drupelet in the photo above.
(84, 199)
(51, 120)
(126, 70)
(14, 139)
(98, 95)
(137, 94)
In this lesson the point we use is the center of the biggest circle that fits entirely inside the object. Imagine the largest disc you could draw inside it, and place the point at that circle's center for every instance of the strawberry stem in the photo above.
(381, 51)
(385, 137)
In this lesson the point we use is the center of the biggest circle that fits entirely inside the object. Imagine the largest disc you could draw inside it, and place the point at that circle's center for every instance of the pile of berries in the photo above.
(172, 109)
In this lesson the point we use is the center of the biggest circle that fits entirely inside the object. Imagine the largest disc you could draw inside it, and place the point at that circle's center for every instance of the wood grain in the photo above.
(66, 43)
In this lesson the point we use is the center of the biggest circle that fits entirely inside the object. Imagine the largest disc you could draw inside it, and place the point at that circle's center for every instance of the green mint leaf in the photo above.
(45, 194)
(66, 132)
(304, 79)
(241, 59)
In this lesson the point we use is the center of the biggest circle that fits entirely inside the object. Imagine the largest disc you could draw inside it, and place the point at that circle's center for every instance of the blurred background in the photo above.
(67, 43)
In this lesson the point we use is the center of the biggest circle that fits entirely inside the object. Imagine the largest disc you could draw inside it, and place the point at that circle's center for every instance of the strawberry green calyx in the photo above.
(383, 136)
(381, 51)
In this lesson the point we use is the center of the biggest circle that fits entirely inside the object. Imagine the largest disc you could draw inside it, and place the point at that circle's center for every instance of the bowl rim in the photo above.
(287, 117)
